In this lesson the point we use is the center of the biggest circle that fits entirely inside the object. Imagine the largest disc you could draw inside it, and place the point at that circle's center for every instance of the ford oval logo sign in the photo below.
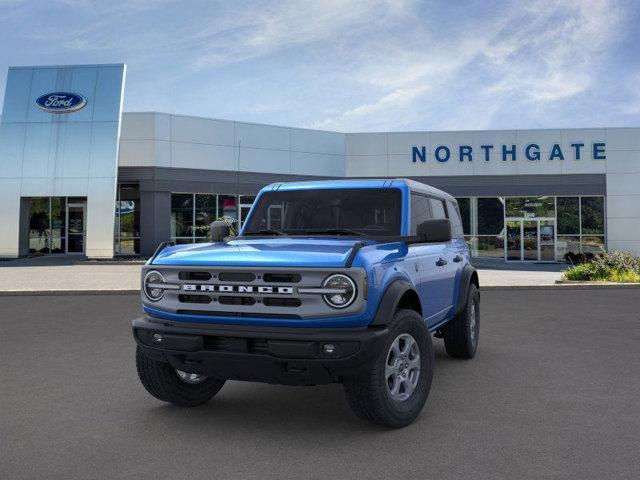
(61, 102)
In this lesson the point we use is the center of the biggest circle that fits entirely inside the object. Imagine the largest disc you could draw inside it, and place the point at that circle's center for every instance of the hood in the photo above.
(265, 252)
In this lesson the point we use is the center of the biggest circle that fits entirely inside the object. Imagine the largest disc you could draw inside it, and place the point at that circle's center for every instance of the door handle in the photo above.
(441, 262)
(457, 258)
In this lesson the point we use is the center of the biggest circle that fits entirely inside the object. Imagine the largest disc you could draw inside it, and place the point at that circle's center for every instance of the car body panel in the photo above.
(383, 261)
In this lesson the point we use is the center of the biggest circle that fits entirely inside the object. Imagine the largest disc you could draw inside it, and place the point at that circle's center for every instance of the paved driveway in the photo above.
(553, 393)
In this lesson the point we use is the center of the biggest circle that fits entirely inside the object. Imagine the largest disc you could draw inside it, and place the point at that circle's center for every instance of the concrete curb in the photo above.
(564, 286)
(551, 286)
(581, 282)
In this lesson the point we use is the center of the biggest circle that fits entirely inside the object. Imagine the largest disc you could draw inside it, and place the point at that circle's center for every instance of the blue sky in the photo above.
(350, 65)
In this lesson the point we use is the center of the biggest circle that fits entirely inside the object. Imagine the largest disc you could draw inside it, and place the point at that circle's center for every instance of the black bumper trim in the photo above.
(291, 356)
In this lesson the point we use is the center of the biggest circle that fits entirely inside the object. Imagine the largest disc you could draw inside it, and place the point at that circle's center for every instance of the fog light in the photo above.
(328, 348)
(156, 338)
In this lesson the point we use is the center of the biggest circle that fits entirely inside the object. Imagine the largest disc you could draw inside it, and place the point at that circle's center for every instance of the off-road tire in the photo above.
(460, 336)
(161, 381)
(368, 394)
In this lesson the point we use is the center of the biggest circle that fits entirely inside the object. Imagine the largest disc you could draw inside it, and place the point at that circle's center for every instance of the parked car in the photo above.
(328, 281)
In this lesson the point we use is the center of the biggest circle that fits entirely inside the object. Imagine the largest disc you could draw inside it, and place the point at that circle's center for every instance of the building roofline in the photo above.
(84, 65)
(229, 120)
(376, 132)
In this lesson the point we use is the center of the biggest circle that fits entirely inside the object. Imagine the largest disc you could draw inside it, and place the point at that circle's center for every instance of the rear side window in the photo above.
(456, 221)
(420, 211)
(437, 207)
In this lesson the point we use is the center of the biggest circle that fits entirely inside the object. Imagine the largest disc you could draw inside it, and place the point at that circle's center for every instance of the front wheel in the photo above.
(175, 386)
(392, 390)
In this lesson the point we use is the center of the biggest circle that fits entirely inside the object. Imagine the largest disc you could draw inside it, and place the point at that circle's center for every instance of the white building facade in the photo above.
(525, 195)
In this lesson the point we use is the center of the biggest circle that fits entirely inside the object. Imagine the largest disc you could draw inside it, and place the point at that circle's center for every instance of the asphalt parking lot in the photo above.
(554, 392)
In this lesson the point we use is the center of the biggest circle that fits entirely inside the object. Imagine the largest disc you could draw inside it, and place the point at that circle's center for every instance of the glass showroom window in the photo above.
(246, 201)
(228, 207)
(530, 207)
(193, 213)
(592, 220)
(127, 229)
(581, 223)
(205, 213)
(40, 225)
(490, 227)
(47, 228)
(465, 206)
(182, 213)
(568, 226)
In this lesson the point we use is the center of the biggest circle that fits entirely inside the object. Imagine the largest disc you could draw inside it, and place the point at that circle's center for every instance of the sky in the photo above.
(350, 65)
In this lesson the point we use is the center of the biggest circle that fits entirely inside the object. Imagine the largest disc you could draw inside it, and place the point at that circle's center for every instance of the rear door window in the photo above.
(420, 211)
(437, 208)
(456, 221)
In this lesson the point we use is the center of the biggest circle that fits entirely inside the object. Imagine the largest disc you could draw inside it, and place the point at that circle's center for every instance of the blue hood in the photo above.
(265, 252)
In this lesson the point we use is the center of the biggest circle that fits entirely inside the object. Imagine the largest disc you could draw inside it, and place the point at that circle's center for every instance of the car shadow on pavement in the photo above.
(274, 408)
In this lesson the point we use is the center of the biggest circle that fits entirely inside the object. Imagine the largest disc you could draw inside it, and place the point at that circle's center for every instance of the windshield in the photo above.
(358, 211)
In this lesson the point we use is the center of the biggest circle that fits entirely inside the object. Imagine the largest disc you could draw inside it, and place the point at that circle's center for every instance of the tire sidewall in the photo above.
(473, 299)
(410, 322)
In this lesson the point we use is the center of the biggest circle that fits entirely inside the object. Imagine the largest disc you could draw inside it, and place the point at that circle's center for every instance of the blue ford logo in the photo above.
(61, 102)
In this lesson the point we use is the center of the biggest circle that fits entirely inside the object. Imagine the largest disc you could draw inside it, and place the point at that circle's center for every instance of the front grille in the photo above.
(281, 277)
(194, 298)
(226, 300)
(282, 302)
(235, 292)
(195, 276)
(236, 277)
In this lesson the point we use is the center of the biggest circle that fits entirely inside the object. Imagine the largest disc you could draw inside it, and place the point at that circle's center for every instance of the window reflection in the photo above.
(592, 210)
(580, 223)
(127, 227)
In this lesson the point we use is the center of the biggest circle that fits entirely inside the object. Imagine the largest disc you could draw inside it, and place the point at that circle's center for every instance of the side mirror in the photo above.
(219, 230)
(435, 230)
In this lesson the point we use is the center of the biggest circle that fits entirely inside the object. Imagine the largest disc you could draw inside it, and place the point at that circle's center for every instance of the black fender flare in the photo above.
(390, 300)
(469, 276)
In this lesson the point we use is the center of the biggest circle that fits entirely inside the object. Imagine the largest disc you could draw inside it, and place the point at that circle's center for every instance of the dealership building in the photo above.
(79, 176)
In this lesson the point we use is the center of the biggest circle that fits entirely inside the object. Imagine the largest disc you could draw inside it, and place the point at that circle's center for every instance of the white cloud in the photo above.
(348, 64)
(401, 97)
(283, 25)
(534, 55)
(551, 56)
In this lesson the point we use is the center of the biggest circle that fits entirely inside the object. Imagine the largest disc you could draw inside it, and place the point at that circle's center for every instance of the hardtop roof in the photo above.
(413, 185)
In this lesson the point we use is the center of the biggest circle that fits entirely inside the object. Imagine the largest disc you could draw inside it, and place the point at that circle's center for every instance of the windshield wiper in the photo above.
(335, 231)
(267, 231)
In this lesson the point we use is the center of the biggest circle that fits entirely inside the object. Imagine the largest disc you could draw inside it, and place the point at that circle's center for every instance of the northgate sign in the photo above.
(531, 152)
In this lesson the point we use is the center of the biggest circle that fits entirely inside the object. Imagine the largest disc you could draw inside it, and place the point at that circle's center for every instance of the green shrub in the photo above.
(614, 266)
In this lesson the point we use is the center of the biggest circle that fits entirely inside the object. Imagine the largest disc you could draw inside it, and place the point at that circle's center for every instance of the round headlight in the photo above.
(343, 291)
(151, 287)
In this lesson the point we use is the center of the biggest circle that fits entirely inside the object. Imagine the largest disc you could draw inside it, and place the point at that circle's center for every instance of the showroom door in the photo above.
(530, 240)
(76, 220)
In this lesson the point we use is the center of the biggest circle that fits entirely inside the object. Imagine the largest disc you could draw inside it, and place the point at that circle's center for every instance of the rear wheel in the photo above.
(392, 390)
(461, 334)
(175, 386)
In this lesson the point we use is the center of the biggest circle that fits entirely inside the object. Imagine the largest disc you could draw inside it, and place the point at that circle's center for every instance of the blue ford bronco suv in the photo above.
(327, 281)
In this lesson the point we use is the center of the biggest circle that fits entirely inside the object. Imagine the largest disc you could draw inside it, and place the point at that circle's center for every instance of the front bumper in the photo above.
(289, 356)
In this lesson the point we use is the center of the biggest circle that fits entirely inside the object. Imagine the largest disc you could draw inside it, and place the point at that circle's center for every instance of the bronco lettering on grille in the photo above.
(192, 287)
